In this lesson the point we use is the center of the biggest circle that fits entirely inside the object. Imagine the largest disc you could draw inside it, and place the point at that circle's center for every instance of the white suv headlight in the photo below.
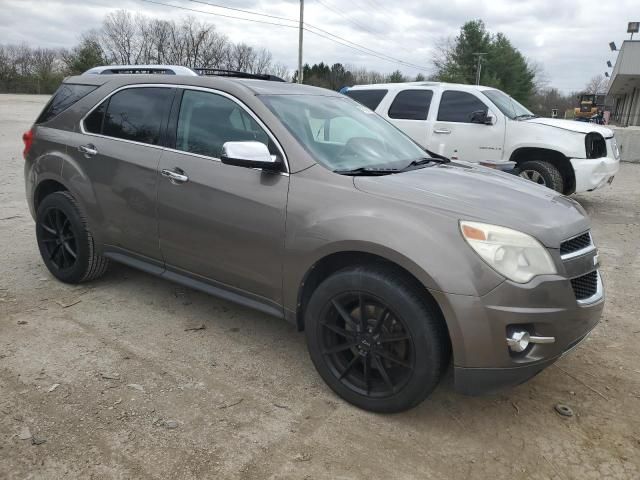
(513, 254)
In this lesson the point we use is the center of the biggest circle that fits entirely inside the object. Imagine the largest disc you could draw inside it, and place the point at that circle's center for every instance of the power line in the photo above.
(218, 14)
(374, 52)
(308, 27)
(245, 11)
(353, 22)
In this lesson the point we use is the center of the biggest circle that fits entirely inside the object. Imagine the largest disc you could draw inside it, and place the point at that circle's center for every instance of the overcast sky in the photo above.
(569, 38)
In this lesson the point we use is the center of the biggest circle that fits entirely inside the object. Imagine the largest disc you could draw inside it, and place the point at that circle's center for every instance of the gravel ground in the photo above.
(107, 380)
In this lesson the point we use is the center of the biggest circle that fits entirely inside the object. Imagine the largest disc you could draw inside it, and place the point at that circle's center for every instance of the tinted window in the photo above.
(411, 105)
(137, 114)
(208, 120)
(368, 98)
(65, 96)
(459, 106)
(93, 123)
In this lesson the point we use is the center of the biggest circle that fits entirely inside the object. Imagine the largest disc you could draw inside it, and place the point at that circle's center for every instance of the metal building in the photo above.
(624, 86)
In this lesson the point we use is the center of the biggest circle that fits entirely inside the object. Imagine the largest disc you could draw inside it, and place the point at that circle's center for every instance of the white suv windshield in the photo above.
(343, 135)
(507, 105)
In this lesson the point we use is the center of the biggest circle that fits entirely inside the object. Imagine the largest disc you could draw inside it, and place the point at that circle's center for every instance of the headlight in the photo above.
(513, 254)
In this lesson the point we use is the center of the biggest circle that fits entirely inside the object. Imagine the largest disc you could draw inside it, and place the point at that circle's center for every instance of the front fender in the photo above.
(530, 135)
(328, 217)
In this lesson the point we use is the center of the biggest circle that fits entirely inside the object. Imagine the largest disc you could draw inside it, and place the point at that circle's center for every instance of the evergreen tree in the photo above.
(86, 55)
(503, 66)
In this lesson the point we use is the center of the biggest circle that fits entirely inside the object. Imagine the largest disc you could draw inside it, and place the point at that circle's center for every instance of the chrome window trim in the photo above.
(583, 251)
(186, 87)
(596, 296)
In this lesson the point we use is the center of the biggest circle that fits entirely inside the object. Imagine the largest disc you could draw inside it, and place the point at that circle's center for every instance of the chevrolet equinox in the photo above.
(301, 203)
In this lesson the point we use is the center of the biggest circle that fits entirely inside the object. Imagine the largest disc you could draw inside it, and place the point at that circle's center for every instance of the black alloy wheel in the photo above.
(376, 337)
(65, 241)
(59, 241)
(366, 345)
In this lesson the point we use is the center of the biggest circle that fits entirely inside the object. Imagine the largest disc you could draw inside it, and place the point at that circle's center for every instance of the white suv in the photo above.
(475, 124)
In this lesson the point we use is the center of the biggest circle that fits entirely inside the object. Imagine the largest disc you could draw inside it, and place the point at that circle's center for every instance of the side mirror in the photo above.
(249, 154)
(481, 116)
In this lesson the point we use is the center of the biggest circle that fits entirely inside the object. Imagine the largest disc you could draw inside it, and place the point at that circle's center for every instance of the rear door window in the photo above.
(411, 105)
(459, 107)
(137, 114)
(65, 96)
(369, 98)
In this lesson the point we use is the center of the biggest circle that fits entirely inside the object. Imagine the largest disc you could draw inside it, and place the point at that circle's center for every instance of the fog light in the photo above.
(518, 341)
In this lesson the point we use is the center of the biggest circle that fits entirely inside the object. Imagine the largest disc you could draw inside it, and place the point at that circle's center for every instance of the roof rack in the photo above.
(141, 69)
(233, 73)
(177, 70)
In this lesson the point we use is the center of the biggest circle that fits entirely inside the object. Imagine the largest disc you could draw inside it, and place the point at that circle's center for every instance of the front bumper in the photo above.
(592, 174)
(478, 327)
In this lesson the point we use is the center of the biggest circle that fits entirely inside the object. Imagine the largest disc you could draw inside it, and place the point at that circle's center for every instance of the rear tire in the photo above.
(542, 173)
(388, 360)
(65, 242)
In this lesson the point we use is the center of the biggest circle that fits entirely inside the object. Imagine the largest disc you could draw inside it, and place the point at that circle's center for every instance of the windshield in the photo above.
(342, 134)
(507, 105)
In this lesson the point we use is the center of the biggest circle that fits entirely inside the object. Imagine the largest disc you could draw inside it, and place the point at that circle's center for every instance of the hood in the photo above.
(467, 192)
(572, 125)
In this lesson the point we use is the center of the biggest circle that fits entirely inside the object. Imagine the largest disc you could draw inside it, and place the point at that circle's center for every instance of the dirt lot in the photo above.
(110, 377)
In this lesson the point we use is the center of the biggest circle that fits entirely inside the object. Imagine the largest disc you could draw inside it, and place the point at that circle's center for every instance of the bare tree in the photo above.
(597, 84)
(540, 79)
(120, 37)
(261, 61)
(280, 70)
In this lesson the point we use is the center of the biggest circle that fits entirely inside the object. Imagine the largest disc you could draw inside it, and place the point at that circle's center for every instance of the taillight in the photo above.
(27, 138)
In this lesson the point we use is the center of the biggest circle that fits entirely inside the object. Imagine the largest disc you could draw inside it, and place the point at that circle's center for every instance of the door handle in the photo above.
(444, 131)
(175, 176)
(89, 150)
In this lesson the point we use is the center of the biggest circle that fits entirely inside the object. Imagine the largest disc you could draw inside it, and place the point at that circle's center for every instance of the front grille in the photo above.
(575, 244)
(585, 286)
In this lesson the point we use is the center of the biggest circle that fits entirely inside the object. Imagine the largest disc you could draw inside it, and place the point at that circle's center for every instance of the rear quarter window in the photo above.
(65, 96)
(369, 98)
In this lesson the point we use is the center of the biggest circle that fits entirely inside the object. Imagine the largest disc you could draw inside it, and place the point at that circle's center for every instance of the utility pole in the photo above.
(479, 67)
(300, 30)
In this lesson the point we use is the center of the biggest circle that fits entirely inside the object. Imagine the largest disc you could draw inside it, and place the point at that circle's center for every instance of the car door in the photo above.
(119, 149)
(455, 133)
(409, 111)
(220, 223)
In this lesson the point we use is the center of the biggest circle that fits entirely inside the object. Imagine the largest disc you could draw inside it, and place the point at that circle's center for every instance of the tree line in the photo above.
(124, 38)
(454, 60)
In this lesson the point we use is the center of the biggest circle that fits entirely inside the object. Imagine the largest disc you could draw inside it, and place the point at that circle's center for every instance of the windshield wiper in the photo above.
(424, 161)
(368, 171)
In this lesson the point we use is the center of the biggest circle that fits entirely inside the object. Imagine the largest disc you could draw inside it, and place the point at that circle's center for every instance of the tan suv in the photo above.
(301, 203)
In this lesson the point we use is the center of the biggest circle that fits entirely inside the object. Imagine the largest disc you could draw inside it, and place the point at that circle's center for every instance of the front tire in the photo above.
(387, 360)
(65, 242)
(543, 173)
